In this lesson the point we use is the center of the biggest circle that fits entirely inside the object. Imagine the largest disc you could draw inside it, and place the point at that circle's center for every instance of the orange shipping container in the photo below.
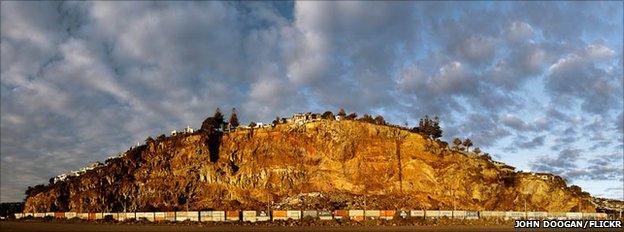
(279, 213)
(387, 213)
(341, 213)
(59, 214)
(232, 215)
(91, 216)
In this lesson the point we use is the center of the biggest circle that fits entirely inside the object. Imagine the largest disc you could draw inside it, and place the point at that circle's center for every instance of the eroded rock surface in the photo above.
(324, 165)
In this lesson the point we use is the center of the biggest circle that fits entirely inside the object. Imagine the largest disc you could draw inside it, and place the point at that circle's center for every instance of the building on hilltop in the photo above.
(188, 129)
(503, 166)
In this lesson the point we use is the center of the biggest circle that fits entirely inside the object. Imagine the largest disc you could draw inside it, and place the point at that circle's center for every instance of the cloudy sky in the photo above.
(537, 85)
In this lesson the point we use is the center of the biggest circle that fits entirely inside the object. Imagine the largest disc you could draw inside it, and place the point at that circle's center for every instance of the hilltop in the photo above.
(316, 164)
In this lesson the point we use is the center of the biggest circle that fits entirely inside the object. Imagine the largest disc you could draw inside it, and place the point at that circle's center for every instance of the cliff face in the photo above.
(324, 165)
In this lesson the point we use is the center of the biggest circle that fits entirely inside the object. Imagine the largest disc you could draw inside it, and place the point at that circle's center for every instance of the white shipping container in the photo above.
(293, 214)
(39, 215)
(70, 215)
(459, 214)
(514, 215)
(325, 215)
(372, 214)
(49, 214)
(432, 213)
(446, 213)
(417, 213)
(249, 216)
(537, 215)
(574, 215)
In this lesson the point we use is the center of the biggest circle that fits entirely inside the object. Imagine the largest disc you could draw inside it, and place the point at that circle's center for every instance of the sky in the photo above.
(539, 85)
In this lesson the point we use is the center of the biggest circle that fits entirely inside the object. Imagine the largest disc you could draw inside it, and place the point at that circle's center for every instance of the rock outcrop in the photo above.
(323, 164)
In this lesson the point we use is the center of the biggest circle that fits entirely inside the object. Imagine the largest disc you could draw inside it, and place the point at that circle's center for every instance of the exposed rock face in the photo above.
(324, 165)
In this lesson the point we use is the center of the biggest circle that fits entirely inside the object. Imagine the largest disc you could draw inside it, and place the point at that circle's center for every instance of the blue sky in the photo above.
(537, 85)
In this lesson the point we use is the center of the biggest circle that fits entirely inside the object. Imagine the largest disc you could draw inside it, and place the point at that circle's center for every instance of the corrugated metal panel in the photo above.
(293, 214)
(249, 216)
(356, 214)
(310, 213)
(417, 213)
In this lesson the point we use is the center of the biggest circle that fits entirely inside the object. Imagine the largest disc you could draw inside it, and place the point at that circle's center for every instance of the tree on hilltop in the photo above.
(429, 127)
(351, 116)
(476, 150)
(380, 120)
(456, 143)
(234, 119)
(342, 113)
(328, 115)
(467, 143)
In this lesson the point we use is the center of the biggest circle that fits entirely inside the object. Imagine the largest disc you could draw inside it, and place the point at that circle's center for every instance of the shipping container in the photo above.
(279, 215)
(232, 215)
(556, 215)
(170, 216)
(19, 215)
(249, 215)
(263, 216)
(446, 213)
(49, 214)
(515, 215)
(59, 214)
(192, 216)
(417, 213)
(471, 215)
(159, 216)
(99, 216)
(29, 214)
(310, 213)
(459, 214)
(325, 215)
(218, 216)
(131, 216)
(432, 213)
(70, 215)
(387, 214)
(145, 216)
(91, 216)
(293, 214)
(356, 215)
(537, 215)
(574, 216)
(39, 215)
(601, 216)
(372, 214)
(341, 214)
(181, 216)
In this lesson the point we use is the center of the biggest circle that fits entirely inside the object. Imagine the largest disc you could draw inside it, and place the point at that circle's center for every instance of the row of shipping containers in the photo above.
(357, 215)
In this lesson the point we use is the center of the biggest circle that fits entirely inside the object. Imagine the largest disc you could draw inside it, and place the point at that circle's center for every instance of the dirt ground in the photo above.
(102, 227)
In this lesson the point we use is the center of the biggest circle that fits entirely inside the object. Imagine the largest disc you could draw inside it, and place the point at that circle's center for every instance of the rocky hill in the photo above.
(323, 164)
